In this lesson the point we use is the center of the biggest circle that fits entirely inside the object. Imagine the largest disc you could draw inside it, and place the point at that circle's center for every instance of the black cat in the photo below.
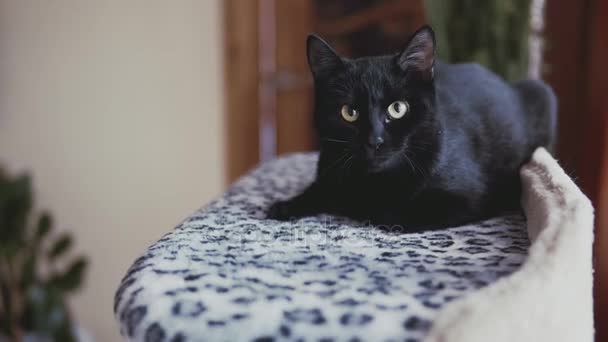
(407, 140)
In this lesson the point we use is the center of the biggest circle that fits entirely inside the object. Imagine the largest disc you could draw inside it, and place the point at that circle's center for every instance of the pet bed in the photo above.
(226, 273)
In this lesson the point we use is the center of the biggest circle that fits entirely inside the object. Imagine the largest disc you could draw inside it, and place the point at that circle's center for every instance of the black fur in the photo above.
(453, 158)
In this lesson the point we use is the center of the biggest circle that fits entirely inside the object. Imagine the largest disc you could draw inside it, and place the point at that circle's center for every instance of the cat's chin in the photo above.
(378, 167)
(374, 170)
(384, 165)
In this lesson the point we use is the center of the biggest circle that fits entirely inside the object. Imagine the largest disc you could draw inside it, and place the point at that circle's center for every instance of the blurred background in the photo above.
(129, 115)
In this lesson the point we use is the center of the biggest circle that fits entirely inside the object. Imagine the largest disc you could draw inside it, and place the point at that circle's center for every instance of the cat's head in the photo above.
(380, 110)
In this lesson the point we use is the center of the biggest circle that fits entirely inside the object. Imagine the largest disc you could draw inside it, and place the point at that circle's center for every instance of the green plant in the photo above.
(492, 33)
(35, 273)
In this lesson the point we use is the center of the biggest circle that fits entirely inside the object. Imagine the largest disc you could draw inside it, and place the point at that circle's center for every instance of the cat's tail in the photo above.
(541, 107)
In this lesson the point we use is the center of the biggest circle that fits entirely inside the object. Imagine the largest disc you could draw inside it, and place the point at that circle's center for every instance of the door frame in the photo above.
(577, 48)
(242, 77)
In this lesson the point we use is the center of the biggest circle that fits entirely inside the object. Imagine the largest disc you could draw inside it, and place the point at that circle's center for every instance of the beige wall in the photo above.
(116, 108)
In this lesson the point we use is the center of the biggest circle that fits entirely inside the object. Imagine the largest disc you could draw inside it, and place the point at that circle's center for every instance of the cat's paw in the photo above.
(281, 211)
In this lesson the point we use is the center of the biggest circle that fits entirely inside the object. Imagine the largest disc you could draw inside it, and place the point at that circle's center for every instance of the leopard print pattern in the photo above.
(228, 274)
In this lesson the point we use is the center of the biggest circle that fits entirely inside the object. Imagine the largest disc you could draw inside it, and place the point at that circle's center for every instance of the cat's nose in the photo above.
(375, 142)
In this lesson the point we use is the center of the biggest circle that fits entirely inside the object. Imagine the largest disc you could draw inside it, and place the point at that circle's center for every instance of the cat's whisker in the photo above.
(415, 165)
(412, 166)
(341, 174)
(420, 147)
(409, 161)
(334, 164)
(347, 164)
(335, 140)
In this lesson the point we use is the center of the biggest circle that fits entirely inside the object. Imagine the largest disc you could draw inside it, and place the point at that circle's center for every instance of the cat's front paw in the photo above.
(281, 211)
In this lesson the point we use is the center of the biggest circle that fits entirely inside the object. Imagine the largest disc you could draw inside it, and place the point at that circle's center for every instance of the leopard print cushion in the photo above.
(226, 273)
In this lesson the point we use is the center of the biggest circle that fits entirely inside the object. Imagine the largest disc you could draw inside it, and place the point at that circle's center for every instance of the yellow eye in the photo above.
(398, 109)
(349, 114)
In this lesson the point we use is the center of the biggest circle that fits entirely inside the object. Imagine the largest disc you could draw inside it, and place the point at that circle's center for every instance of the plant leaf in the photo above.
(45, 313)
(60, 246)
(72, 278)
(15, 204)
(45, 224)
(28, 273)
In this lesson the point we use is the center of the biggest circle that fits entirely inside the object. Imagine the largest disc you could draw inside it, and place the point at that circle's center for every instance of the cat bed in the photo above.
(227, 273)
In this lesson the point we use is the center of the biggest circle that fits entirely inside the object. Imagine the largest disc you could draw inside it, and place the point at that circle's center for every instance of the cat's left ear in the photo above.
(419, 53)
(322, 59)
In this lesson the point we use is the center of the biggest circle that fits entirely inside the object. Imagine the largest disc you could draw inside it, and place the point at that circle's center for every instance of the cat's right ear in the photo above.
(419, 53)
(322, 59)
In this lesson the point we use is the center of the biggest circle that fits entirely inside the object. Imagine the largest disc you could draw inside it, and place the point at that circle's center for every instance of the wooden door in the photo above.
(576, 58)
(241, 76)
(268, 90)
(291, 80)
(594, 170)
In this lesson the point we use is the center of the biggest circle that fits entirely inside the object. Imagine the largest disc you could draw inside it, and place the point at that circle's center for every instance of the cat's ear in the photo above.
(322, 59)
(419, 53)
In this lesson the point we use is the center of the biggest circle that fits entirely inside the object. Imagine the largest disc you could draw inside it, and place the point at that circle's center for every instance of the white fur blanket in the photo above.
(226, 273)
(550, 297)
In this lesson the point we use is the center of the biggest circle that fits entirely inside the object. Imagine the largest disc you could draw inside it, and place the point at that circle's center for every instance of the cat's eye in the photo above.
(349, 114)
(398, 109)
